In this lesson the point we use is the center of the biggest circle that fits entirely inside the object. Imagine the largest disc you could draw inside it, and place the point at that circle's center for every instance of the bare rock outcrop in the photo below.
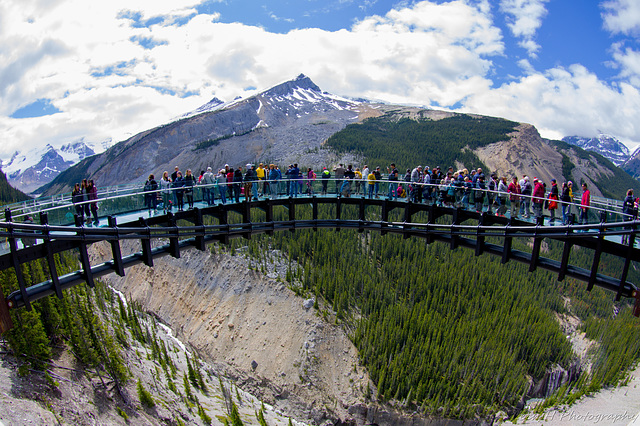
(524, 153)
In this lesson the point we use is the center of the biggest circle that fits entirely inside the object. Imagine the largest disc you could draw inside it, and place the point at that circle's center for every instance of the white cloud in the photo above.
(90, 63)
(621, 16)
(563, 102)
(628, 60)
(524, 19)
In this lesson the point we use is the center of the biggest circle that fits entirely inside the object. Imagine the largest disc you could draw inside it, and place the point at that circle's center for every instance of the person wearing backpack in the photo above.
(491, 193)
(503, 189)
(326, 175)
(479, 193)
(629, 212)
(149, 196)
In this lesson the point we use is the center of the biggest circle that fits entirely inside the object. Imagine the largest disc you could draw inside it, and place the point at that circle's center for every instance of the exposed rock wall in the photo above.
(254, 327)
(524, 153)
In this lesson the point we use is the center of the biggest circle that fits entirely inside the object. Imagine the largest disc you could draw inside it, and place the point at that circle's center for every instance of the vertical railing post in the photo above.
(13, 246)
(44, 220)
(84, 254)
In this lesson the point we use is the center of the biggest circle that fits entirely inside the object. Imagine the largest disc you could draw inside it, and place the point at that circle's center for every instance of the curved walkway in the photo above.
(454, 225)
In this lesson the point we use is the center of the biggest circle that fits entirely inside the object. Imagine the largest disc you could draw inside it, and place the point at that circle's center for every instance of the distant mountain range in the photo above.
(29, 170)
(605, 145)
(612, 149)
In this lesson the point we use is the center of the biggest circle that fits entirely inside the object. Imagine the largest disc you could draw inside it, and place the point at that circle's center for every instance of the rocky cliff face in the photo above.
(255, 329)
(524, 153)
(528, 153)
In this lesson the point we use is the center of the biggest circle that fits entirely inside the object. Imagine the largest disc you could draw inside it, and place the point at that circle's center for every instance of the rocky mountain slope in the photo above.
(632, 165)
(286, 123)
(528, 153)
(70, 393)
(255, 329)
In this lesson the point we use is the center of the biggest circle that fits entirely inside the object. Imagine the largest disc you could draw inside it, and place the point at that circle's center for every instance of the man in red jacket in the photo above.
(538, 197)
(514, 197)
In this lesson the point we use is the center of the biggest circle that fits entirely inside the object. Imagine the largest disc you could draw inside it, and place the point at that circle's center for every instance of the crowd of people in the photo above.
(470, 189)
(523, 197)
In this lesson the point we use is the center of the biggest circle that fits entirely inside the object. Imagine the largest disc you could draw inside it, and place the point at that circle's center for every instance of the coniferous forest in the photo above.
(8, 194)
(453, 334)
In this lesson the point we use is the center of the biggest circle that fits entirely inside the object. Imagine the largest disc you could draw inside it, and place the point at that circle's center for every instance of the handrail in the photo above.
(64, 201)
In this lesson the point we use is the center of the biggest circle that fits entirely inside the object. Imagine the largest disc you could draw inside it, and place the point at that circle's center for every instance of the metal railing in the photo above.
(111, 200)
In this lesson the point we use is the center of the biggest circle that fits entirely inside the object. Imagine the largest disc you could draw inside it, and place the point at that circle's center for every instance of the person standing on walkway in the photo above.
(76, 199)
(585, 202)
(566, 198)
(371, 179)
(178, 185)
(553, 201)
(174, 176)
(150, 186)
(93, 207)
(221, 185)
(514, 197)
(189, 183)
(165, 185)
(338, 173)
(503, 189)
(538, 197)
(629, 212)
(274, 177)
(393, 182)
(208, 194)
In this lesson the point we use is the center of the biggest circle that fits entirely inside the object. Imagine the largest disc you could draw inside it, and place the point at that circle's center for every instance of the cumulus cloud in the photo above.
(560, 102)
(621, 16)
(96, 62)
(628, 60)
(524, 17)
(119, 67)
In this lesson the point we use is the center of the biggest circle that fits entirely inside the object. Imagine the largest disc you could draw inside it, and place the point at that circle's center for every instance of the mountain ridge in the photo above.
(290, 123)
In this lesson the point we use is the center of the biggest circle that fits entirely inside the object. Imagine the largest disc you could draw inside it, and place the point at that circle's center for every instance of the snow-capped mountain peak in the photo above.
(29, 170)
(606, 145)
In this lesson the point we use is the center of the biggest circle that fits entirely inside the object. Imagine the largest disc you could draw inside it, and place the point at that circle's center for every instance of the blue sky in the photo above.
(72, 69)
